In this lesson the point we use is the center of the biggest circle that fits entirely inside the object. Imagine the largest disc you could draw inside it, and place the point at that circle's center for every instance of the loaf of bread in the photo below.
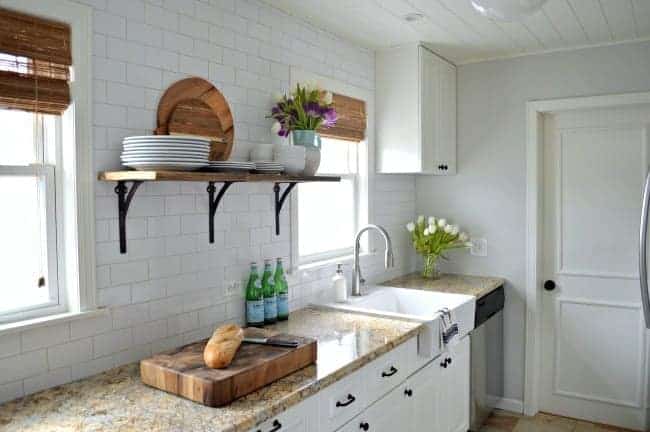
(222, 346)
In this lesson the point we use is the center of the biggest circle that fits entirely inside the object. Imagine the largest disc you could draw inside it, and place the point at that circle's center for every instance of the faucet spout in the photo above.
(389, 261)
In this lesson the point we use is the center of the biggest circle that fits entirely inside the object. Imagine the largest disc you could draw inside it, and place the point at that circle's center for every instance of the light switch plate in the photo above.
(479, 247)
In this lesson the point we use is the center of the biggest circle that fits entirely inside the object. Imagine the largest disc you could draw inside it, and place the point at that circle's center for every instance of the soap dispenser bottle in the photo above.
(340, 285)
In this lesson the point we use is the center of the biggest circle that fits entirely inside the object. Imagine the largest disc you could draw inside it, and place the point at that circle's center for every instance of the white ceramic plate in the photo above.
(164, 153)
(228, 169)
(226, 164)
(170, 166)
(146, 138)
(164, 158)
(178, 145)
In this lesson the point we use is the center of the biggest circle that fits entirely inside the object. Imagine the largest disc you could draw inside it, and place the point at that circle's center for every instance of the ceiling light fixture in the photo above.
(413, 17)
(507, 10)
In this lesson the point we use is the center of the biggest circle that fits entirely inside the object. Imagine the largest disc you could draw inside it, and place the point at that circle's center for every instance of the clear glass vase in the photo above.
(431, 270)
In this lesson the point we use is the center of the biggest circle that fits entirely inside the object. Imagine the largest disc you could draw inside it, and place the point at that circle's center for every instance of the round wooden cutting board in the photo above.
(193, 106)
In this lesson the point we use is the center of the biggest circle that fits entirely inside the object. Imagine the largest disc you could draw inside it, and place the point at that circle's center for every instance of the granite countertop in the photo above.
(477, 286)
(117, 400)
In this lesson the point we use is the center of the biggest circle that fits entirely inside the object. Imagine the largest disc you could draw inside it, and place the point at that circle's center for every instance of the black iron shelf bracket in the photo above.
(124, 197)
(279, 202)
(214, 203)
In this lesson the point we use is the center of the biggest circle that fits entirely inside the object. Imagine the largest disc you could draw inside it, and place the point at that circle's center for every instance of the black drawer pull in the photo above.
(393, 371)
(276, 426)
(365, 426)
(346, 403)
(408, 392)
(444, 364)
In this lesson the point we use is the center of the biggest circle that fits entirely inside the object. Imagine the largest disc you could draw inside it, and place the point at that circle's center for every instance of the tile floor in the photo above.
(503, 421)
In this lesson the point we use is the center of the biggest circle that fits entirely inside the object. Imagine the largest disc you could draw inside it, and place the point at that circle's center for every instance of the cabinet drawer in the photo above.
(390, 369)
(391, 413)
(298, 418)
(341, 401)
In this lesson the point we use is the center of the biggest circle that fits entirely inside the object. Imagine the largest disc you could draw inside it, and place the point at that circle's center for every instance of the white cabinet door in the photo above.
(440, 392)
(389, 414)
(299, 418)
(456, 378)
(424, 394)
(438, 114)
(416, 112)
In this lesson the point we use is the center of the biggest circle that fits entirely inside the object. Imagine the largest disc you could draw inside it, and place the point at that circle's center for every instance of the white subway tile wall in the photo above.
(173, 286)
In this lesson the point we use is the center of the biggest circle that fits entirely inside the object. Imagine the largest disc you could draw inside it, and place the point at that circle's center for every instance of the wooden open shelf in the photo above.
(136, 178)
(201, 176)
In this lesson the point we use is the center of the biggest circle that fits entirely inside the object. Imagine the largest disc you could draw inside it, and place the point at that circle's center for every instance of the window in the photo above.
(325, 216)
(47, 261)
(28, 152)
(328, 213)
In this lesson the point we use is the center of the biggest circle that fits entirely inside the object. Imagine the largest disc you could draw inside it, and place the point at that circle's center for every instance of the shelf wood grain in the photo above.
(199, 176)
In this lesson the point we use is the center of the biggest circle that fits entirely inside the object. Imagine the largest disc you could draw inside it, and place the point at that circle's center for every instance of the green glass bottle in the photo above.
(281, 291)
(254, 299)
(270, 300)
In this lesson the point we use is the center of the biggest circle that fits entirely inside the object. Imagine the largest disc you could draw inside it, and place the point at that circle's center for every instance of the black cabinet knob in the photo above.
(448, 360)
(408, 392)
(444, 364)
(365, 426)
(549, 285)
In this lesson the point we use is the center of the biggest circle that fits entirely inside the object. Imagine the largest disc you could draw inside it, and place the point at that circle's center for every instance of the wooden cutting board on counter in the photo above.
(183, 372)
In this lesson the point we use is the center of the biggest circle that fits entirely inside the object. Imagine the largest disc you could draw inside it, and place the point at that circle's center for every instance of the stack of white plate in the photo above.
(268, 167)
(230, 166)
(165, 152)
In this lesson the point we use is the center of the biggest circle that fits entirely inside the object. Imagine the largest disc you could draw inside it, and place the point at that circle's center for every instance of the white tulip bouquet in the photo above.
(432, 237)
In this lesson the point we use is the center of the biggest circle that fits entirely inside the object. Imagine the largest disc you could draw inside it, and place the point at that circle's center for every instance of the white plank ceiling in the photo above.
(454, 30)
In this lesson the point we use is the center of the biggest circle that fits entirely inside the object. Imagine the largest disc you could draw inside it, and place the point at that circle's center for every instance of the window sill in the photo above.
(19, 326)
(343, 259)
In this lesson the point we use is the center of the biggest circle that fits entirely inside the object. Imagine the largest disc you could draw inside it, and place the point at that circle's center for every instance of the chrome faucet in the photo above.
(357, 279)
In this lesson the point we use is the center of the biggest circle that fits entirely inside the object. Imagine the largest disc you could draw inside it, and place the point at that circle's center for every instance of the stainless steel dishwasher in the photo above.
(487, 357)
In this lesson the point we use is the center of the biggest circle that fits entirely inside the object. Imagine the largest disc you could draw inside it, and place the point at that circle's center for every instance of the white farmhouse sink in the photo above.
(417, 305)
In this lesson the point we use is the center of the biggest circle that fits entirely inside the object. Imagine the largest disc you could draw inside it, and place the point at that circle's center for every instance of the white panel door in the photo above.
(593, 347)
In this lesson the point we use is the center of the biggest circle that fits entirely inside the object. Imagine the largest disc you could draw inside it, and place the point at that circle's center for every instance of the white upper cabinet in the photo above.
(416, 112)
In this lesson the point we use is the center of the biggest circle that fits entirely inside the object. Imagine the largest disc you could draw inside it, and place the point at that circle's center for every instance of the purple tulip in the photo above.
(312, 109)
(329, 117)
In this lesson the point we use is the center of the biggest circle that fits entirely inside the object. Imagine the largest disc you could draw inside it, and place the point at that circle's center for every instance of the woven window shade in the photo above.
(351, 123)
(35, 60)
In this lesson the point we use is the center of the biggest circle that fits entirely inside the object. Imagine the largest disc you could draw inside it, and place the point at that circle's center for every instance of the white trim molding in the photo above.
(534, 222)
(506, 404)
(77, 246)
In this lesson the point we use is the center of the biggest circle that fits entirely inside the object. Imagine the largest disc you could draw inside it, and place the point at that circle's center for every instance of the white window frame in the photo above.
(75, 179)
(47, 190)
(364, 176)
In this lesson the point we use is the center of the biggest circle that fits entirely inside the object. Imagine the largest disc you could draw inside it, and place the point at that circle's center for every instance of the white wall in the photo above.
(171, 287)
(487, 197)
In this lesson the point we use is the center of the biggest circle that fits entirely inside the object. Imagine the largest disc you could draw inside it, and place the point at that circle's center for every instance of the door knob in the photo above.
(549, 285)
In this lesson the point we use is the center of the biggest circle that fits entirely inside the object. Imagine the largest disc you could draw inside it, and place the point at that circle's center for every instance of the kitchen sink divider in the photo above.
(125, 194)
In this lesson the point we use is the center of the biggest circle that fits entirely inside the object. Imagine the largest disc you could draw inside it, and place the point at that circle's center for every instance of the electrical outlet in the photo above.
(479, 247)
(233, 288)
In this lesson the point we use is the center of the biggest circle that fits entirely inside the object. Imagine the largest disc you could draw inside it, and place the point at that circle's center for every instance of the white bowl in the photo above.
(262, 152)
(292, 157)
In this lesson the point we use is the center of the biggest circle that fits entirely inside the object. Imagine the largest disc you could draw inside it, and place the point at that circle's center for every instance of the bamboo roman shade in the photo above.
(351, 123)
(35, 60)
